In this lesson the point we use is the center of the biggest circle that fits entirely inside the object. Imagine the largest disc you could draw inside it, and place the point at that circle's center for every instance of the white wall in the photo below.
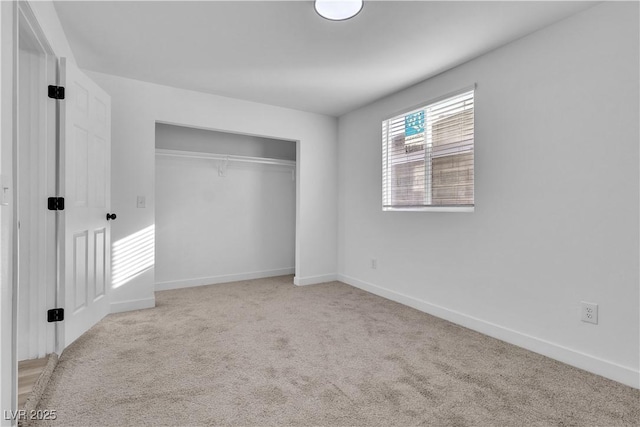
(215, 229)
(557, 195)
(137, 106)
(45, 13)
(206, 141)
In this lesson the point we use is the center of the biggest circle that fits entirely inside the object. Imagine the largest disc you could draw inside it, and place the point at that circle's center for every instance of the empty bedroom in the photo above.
(320, 213)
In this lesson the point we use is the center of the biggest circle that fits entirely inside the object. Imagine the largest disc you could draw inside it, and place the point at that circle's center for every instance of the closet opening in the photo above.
(225, 207)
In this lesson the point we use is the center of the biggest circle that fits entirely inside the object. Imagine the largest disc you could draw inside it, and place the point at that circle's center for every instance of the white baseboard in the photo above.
(605, 368)
(213, 280)
(136, 304)
(313, 280)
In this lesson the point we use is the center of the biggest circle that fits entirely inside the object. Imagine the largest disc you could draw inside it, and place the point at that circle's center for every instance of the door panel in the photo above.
(101, 263)
(81, 161)
(99, 165)
(80, 283)
(86, 150)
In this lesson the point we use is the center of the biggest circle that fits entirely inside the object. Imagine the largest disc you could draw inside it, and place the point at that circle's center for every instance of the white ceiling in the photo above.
(282, 53)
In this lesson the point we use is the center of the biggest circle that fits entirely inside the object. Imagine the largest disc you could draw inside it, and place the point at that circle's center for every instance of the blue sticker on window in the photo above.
(414, 123)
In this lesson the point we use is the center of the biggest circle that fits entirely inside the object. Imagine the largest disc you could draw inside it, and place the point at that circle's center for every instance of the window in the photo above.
(427, 156)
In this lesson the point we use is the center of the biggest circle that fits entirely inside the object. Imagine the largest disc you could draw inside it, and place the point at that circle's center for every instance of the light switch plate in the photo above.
(5, 190)
(141, 202)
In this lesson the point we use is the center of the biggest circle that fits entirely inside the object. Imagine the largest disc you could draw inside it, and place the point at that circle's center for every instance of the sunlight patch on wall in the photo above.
(132, 256)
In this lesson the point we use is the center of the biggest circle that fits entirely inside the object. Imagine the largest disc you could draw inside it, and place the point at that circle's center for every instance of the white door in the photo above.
(85, 144)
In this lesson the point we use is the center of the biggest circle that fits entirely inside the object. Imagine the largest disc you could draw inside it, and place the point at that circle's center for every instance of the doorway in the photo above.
(36, 179)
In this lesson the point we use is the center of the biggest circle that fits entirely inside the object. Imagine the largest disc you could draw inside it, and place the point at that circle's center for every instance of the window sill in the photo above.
(430, 209)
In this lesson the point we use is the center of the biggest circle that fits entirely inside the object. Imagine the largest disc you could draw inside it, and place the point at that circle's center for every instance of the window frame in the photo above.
(386, 168)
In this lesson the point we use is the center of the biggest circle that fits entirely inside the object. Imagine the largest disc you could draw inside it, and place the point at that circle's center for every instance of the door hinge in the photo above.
(56, 92)
(55, 315)
(55, 203)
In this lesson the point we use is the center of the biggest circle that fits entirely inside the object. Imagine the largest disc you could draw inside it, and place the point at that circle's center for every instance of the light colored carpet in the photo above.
(265, 352)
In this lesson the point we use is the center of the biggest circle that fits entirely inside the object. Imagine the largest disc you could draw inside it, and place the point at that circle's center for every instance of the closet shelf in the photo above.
(230, 158)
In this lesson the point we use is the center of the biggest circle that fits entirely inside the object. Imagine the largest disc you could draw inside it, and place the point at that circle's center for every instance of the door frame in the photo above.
(25, 21)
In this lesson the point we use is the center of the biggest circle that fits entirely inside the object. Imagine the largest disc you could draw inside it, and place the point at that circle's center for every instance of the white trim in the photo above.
(605, 368)
(428, 209)
(213, 280)
(314, 280)
(131, 305)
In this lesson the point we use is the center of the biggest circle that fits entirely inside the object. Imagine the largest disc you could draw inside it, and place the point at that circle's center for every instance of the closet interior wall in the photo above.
(225, 207)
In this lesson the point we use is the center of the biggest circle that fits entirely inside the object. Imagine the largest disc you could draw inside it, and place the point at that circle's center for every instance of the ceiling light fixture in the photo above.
(338, 10)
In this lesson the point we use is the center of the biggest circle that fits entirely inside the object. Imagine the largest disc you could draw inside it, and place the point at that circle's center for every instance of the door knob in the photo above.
(111, 216)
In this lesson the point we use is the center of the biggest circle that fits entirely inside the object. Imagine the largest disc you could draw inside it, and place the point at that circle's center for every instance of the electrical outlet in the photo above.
(590, 312)
(374, 263)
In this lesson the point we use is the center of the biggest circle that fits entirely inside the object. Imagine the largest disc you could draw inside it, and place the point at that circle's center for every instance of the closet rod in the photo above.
(231, 158)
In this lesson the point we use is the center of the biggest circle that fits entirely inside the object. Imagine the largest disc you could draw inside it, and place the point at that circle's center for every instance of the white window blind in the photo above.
(427, 156)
